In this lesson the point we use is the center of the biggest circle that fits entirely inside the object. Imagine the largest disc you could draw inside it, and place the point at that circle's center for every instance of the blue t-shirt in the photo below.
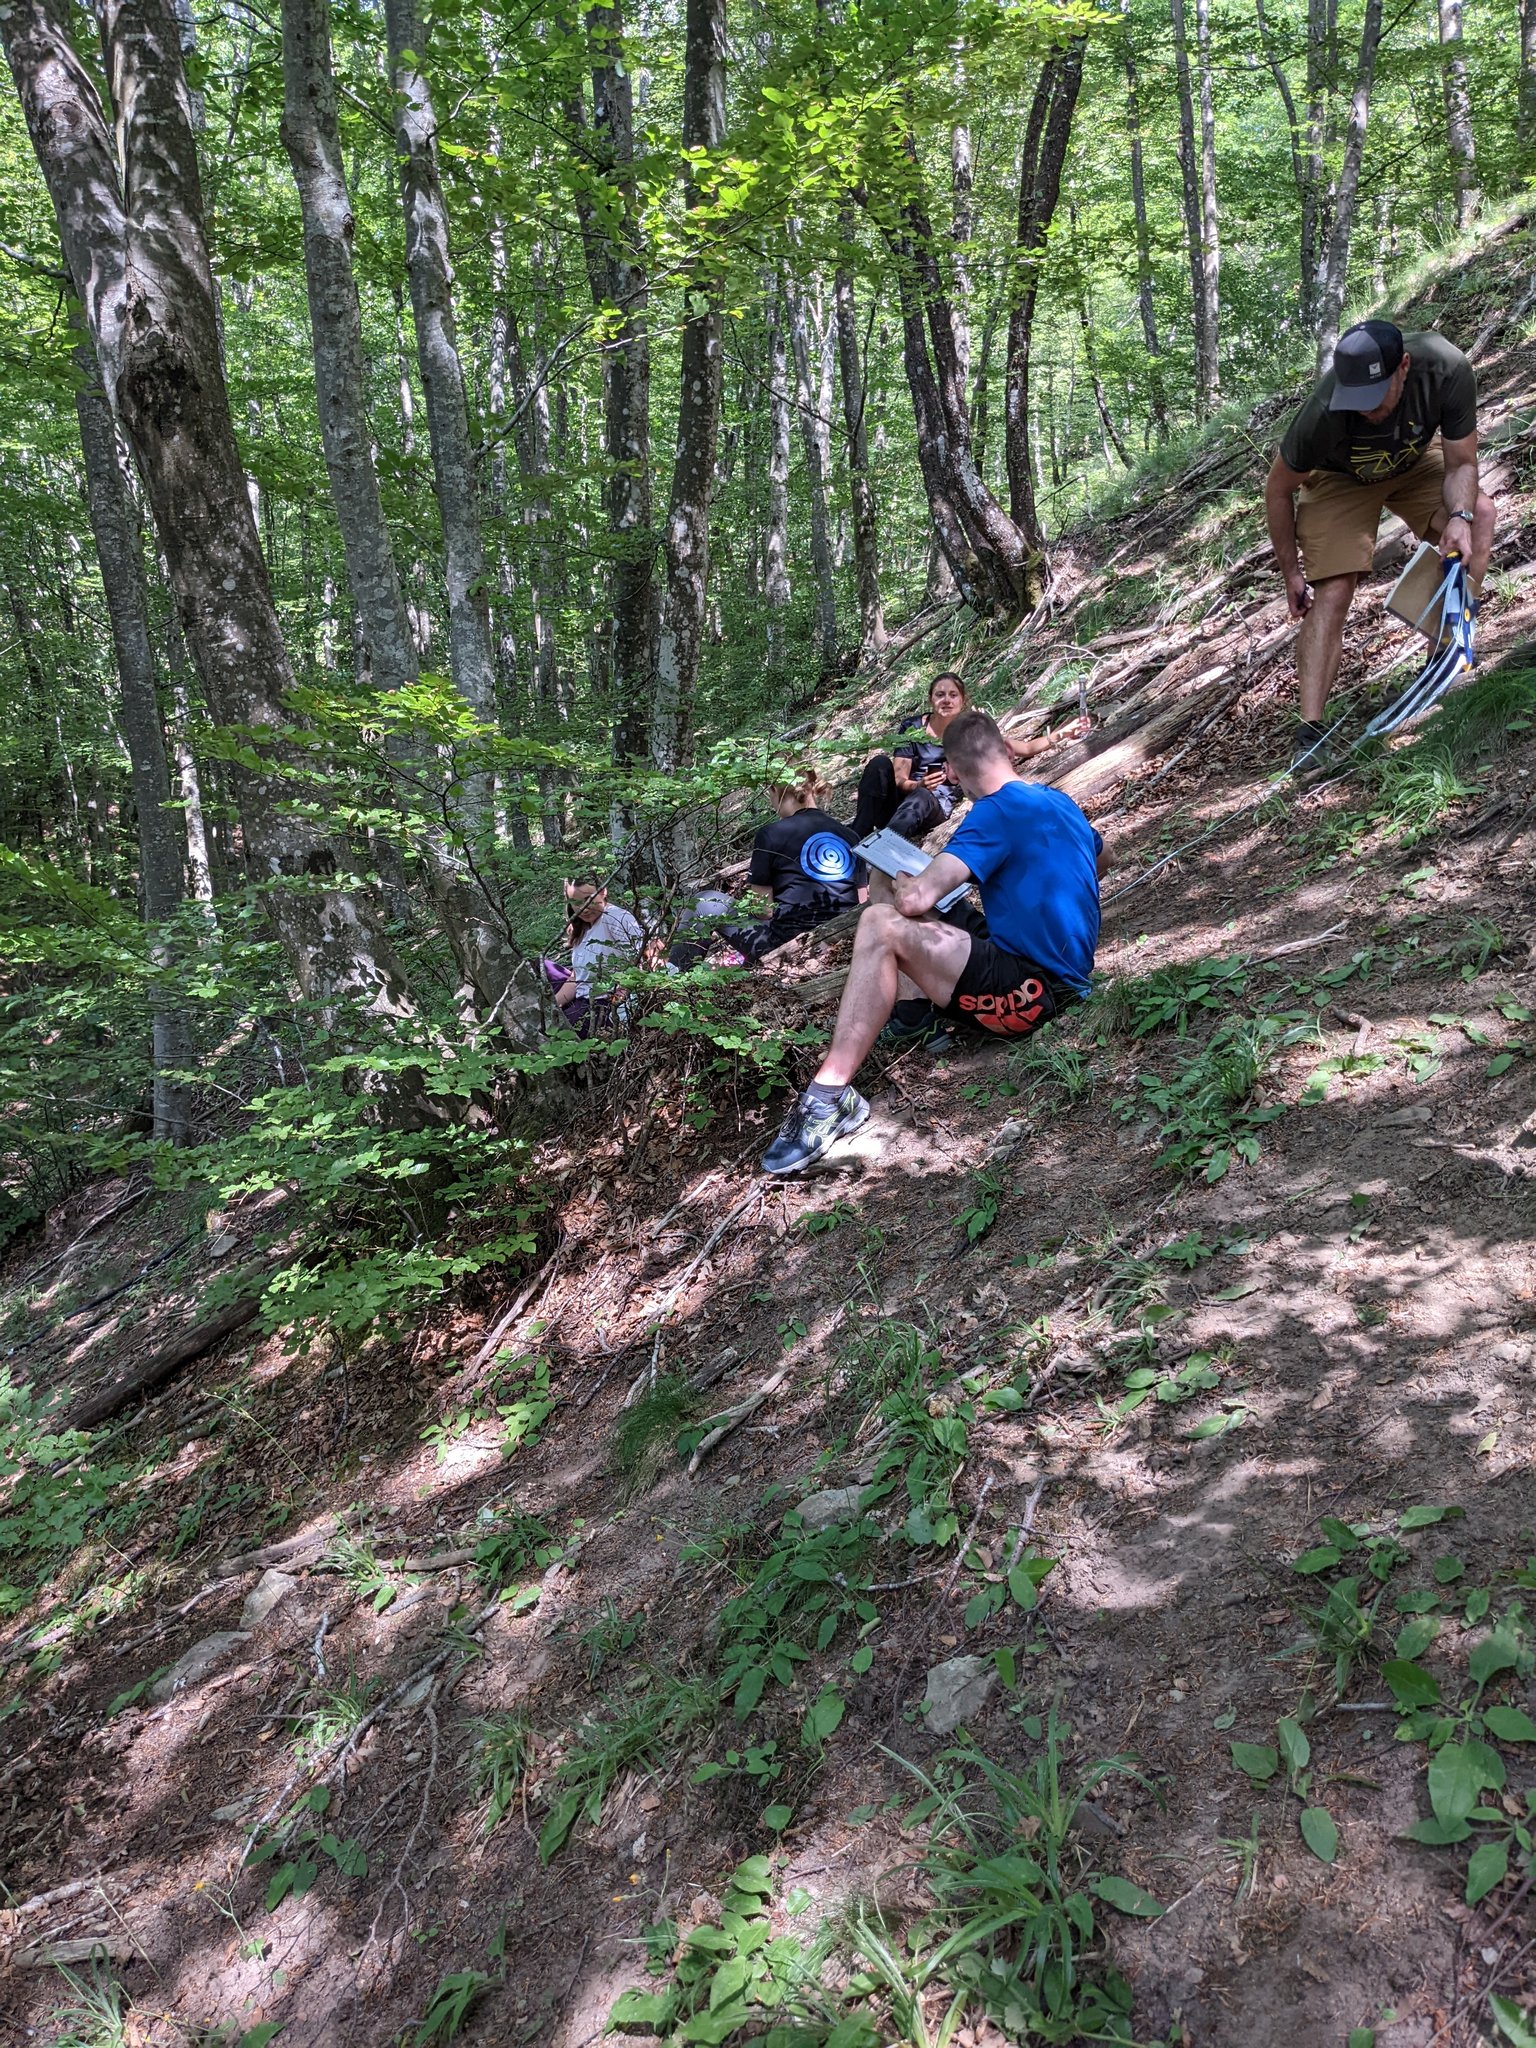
(1033, 854)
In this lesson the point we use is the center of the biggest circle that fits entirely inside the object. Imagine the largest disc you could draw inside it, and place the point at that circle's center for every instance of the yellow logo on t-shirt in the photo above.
(1375, 465)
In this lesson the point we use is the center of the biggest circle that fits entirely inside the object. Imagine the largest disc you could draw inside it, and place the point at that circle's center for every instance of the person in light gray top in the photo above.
(601, 936)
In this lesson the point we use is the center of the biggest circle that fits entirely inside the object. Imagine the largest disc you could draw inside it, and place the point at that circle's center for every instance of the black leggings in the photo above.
(881, 801)
(753, 941)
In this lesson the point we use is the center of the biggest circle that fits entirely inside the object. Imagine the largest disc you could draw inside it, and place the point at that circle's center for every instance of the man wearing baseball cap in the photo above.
(1361, 445)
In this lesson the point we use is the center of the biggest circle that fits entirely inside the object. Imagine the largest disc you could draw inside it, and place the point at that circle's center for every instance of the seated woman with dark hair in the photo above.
(600, 935)
(806, 860)
(911, 789)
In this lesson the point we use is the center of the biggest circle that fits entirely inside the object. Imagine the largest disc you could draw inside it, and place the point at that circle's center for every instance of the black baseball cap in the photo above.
(1365, 361)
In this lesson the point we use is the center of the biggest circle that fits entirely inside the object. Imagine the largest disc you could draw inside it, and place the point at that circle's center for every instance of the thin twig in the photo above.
(954, 1570)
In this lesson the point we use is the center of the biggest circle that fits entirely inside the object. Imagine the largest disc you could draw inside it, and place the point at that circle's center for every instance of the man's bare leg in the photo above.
(880, 892)
(1320, 644)
(928, 955)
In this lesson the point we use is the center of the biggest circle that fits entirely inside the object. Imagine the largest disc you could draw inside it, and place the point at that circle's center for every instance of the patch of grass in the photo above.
(96, 2014)
(1011, 1931)
(333, 1712)
(450, 2005)
(644, 1733)
(503, 1750)
(646, 1432)
(354, 1560)
(1483, 719)
(1047, 1067)
(1125, 601)
(1170, 998)
(1013, 1921)
(513, 1544)
(1411, 790)
(609, 1636)
(880, 1358)
(1204, 1109)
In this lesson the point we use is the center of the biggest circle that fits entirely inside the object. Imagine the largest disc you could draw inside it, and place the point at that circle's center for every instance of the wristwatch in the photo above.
(1466, 517)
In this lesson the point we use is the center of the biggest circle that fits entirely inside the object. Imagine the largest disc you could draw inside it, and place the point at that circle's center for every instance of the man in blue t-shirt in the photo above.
(1036, 860)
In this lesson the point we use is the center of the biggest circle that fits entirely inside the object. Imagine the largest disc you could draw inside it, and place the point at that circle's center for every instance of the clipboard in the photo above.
(891, 855)
(1412, 597)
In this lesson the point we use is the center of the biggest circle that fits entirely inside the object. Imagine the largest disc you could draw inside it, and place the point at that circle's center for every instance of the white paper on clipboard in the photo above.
(891, 855)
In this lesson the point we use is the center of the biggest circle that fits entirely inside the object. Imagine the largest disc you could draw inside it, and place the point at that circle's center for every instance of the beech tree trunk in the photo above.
(1210, 239)
(813, 447)
(1146, 304)
(982, 546)
(686, 591)
(866, 538)
(627, 421)
(312, 137)
(1045, 151)
(1322, 18)
(430, 271)
(1336, 275)
(160, 840)
(776, 585)
(962, 185)
(141, 268)
(475, 928)
(1458, 110)
(1197, 161)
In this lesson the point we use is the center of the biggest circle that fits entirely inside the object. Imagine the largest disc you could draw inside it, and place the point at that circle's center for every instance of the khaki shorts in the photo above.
(1337, 518)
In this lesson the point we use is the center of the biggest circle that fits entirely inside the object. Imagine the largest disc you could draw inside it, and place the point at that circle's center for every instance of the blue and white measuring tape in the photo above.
(1449, 617)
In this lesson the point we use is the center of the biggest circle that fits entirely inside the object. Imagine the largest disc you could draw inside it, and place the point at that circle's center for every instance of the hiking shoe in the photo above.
(1315, 752)
(812, 1128)
(913, 1022)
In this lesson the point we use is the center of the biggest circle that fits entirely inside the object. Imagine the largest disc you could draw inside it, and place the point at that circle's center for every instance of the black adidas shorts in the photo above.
(1002, 993)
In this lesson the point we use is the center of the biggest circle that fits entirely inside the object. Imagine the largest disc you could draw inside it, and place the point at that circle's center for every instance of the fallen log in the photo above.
(1110, 762)
(313, 1539)
(155, 1370)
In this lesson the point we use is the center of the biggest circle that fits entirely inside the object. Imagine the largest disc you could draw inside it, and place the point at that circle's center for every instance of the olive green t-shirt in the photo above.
(1440, 393)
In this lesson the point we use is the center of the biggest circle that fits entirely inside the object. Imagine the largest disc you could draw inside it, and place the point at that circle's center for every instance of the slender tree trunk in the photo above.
(189, 779)
(475, 928)
(1336, 277)
(1197, 163)
(1314, 225)
(627, 424)
(776, 585)
(1045, 153)
(981, 381)
(312, 137)
(1458, 110)
(962, 180)
(1287, 99)
(1109, 438)
(815, 476)
(160, 841)
(1525, 105)
(1146, 304)
(430, 272)
(147, 289)
(866, 538)
(1210, 239)
(685, 597)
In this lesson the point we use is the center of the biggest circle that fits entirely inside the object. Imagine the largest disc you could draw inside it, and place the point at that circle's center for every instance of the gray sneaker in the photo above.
(812, 1128)
(1315, 752)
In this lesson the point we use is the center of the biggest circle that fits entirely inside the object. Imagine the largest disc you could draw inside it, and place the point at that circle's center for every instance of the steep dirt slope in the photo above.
(1025, 1310)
